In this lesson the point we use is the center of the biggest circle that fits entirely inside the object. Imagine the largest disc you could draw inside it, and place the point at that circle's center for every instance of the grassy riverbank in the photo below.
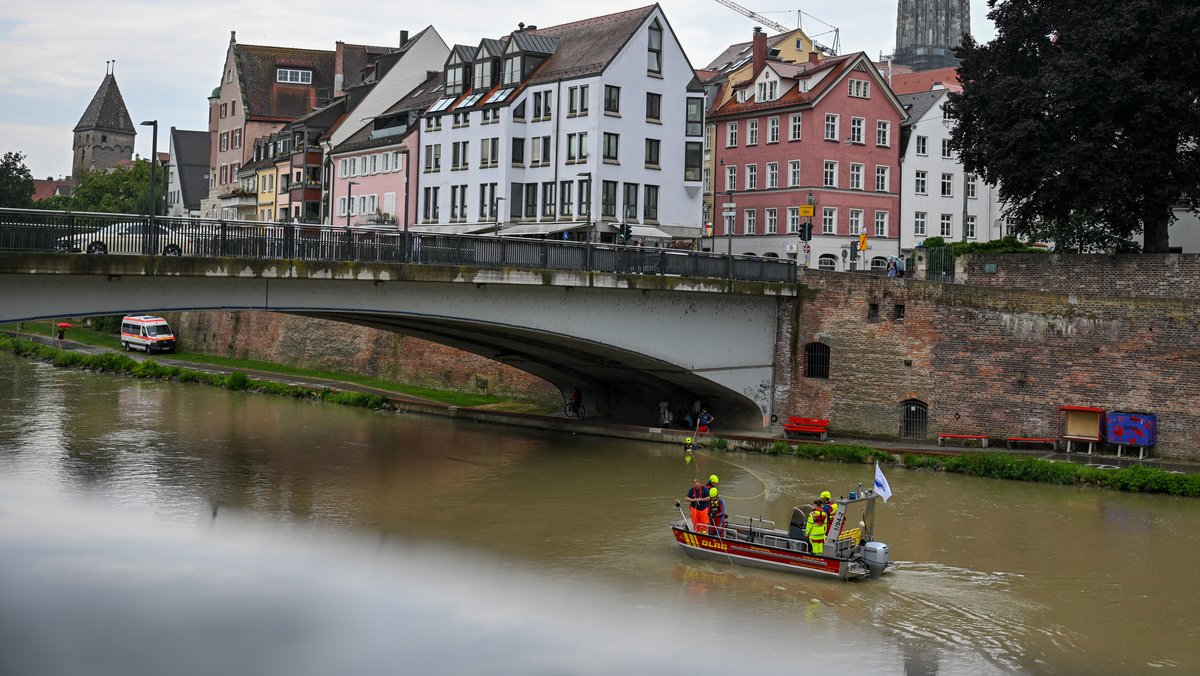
(88, 336)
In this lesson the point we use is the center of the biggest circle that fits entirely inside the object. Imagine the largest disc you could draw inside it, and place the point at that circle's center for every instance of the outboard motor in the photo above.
(875, 555)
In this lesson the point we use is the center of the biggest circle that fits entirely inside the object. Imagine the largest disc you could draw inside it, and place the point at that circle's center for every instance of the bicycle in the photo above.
(578, 411)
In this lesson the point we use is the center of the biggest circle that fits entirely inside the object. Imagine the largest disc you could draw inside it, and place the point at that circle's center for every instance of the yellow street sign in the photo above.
(807, 210)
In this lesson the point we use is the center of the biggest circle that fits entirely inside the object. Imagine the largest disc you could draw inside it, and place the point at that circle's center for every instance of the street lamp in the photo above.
(730, 219)
(153, 124)
(350, 200)
(589, 226)
(496, 208)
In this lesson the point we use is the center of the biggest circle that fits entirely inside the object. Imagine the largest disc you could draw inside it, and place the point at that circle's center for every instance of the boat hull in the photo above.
(727, 550)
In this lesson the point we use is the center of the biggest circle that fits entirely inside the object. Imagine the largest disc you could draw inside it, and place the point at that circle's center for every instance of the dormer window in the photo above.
(742, 96)
(768, 91)
(454, 80)
(654, 49)
(293, 76)
(512, 70)
(483, 76)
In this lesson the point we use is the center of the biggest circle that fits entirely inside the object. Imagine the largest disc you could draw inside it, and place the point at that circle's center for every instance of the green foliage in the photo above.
(107, 324)
(1136, 479)
(121, 190)
(16, 182)
(237, 381)
(1085, 154)
(721, 444)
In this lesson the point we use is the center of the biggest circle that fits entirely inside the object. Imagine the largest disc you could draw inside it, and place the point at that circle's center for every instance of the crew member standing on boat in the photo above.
(829, 507)
(815, 531)
(716, 510)
(697, 498)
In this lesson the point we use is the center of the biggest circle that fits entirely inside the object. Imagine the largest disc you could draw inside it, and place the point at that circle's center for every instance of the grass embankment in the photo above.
(1134, 479)
(88, 336)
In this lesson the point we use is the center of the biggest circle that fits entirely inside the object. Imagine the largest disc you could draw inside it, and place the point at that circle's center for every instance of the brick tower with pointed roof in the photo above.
(104, 135)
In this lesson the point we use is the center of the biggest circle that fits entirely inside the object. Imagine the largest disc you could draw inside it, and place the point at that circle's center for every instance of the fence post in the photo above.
(222, 239)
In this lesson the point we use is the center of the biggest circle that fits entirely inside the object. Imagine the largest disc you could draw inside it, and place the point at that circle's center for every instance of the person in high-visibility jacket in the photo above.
(829, 507)
(815, 531)
(716, 510)
(689, 445)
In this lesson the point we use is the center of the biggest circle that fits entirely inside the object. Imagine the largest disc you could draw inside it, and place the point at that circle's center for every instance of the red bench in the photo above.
(1031, 440)
(982, 438)
(817, 426)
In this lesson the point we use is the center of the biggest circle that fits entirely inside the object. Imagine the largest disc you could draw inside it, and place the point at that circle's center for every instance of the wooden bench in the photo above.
(1010, 441)
(982, 438)
(796, 425)
(1091, 441)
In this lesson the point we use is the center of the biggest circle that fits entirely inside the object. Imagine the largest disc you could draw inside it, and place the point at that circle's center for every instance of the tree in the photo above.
(120, 190)
(1085, 113)
(16, 183)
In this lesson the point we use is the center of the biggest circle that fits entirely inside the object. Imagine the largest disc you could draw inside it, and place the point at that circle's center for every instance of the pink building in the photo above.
(820, 134)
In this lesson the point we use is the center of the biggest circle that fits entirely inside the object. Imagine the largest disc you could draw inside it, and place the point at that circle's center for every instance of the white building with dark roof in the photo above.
(548, 131)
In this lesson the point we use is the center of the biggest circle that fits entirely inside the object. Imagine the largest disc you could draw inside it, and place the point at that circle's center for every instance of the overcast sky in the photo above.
(169, 53)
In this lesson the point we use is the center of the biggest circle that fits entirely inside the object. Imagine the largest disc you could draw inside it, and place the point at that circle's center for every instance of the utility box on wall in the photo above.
(1132, 429)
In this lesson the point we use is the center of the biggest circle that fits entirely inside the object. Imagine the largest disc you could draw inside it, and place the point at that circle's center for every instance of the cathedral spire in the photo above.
(927, 31)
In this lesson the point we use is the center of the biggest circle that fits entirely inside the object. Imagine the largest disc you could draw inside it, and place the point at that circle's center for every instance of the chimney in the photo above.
(403, 38)
(759, 49)
(814, 57)
(339, 67)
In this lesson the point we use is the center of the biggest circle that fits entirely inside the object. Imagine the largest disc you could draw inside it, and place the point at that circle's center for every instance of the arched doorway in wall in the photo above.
(827, 262)
(878, 264)
(914, 419)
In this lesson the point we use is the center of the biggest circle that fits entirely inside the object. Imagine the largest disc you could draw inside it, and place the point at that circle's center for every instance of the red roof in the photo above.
(923, 81)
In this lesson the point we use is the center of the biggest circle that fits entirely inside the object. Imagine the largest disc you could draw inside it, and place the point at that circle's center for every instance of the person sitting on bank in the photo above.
(697, 498)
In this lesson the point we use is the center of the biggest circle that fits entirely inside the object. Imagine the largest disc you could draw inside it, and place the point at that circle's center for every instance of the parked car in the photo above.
(124, 238)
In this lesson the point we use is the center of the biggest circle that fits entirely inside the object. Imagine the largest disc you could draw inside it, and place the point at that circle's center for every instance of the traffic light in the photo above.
(806, 231)
(853, 252)
(626, 233)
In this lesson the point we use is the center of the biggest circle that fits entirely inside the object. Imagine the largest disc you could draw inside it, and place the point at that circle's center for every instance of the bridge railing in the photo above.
(37, 231)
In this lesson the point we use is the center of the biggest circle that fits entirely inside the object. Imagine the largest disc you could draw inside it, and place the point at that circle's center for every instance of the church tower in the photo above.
(927, 31)
(104, 135)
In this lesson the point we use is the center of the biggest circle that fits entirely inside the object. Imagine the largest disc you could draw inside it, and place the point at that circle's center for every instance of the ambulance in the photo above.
(147, 332)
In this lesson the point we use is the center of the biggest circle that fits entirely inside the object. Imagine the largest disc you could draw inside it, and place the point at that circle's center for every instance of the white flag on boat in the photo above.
(881, 484)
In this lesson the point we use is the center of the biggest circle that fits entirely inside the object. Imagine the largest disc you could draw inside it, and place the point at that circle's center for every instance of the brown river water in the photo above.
(151, 528)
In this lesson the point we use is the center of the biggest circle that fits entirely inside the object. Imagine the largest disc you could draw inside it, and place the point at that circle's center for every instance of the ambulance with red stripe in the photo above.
(147, 332)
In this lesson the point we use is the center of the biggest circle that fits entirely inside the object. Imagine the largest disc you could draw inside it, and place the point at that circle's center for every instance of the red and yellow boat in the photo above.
(849, 553)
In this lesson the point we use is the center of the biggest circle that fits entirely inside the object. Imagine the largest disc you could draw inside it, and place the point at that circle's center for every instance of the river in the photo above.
(150, 527)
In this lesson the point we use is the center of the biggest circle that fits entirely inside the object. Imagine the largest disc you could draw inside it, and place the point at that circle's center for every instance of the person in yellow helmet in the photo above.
(712, 483)
(829, 507)
(689, 445)
(716, 509)
(815, 531)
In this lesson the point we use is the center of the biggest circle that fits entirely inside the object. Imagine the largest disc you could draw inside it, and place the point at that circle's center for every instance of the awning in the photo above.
(647, 231)
(455, 229)
(546, 228)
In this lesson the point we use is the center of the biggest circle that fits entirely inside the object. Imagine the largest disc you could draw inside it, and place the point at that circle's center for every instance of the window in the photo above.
(881, 178)
(772, 175)
(971, 189)
(459, 157)
(612, 99)
(541, 105)
(483, 75)
(654, 49)
(919, 219)
(947, 225)
(731, 134)
(512, 70)
(883, 133)
(454, 201)
(564, 198)
(489, 152)
(585, 197)
(608, 199)
(831, 127)
(583, 99)
(751, 132)
(828, 220)
(454, 87)
(611, 142)
(487, 201)
(881, 224)
(860, 89)
(772, 220)
(293, 76)
(856, 221)
(827, 262)
(872, 311)
(430, 205)
(816, 355)
(224, 142)
(772, 130)
(793, 220)
(922, 145)
(730, 177)
(947, 185)
(695, 117)
(573, 101)
(751, 220)
(548, 199)
(969, 228)
(224, 110)
(856, 176)
(539, 151)
(831, 174)
(652, 145)
(751, 177)
(631, 201)
(919, 183)
(531, 190)
(653, 106)
(898, 312)
(794, 131)
(793, 173)
(650, 210)
(693, 159)
(946, 152)
(858, 128)
(519, 111)
(518, 152)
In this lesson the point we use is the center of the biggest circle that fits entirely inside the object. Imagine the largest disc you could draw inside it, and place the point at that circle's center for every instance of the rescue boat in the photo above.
(849, 553)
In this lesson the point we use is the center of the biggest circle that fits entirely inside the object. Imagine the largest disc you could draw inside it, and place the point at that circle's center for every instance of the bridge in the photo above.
(625, 324)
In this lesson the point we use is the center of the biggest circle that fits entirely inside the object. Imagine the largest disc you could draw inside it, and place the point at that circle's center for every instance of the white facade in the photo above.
(551, 137)
(938, 198)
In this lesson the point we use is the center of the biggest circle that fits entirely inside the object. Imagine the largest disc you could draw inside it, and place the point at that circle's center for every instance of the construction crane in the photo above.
(778, 27)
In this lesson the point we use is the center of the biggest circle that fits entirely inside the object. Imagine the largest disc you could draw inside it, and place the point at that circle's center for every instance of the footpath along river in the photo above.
(151, 527)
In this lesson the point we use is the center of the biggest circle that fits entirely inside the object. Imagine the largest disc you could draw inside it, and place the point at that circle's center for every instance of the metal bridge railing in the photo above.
(34, 231)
